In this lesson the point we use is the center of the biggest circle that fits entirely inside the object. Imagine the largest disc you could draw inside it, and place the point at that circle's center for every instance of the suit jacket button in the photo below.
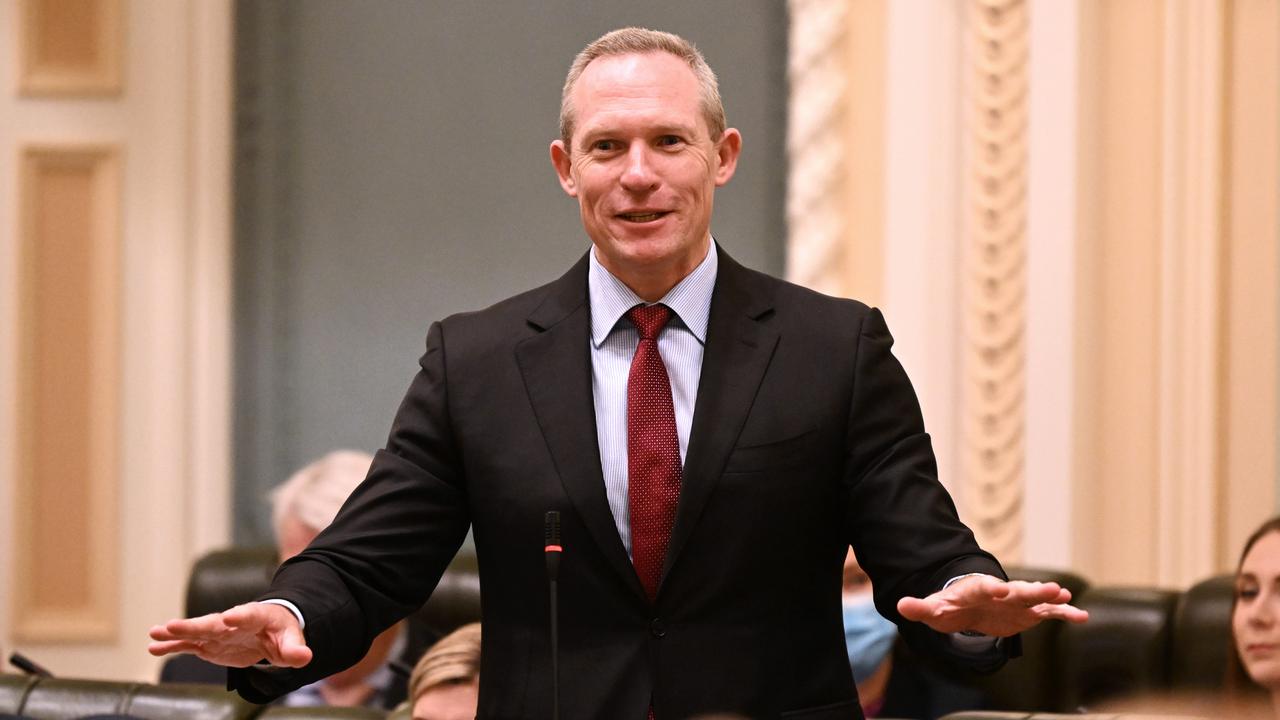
(656, 628)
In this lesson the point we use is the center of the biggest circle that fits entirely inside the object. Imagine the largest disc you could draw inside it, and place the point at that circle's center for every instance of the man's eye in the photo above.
(668, 140)
(603, 145)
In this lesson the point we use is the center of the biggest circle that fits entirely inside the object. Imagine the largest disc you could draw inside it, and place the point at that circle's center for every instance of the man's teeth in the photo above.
(642, 217)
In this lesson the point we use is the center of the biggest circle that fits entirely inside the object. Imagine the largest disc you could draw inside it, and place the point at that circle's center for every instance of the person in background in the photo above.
(1251, 688)
(301, 507)
(891, 681)
(1253, 670)
(445, 684)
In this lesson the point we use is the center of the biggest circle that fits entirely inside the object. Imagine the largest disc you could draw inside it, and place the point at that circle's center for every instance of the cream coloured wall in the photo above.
(171, 125)
(1150, 410)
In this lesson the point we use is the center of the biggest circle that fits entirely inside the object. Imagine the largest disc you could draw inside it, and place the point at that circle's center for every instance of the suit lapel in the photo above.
(556, 365)
(739, 347)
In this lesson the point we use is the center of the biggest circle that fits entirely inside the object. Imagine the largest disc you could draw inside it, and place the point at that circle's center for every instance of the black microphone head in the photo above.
(551, 528)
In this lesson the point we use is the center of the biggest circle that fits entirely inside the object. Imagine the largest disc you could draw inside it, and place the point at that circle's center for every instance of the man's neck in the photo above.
(654, 285)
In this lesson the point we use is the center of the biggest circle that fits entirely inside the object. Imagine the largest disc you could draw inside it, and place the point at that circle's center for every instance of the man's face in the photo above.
(643, 166)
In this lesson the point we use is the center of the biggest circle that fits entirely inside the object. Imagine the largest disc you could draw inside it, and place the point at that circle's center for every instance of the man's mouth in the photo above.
(643, 217)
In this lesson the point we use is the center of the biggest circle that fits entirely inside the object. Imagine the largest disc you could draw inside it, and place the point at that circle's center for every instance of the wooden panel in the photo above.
(69, 308)
(71, 47)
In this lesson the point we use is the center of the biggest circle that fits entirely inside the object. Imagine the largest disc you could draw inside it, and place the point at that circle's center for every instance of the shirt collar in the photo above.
(690, 299)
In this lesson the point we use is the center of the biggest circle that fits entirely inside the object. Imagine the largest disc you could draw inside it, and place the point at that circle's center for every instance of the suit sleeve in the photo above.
(902, 522)
(388, 546)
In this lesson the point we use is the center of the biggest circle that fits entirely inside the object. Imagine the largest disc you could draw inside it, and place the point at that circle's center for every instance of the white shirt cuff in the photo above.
(290, 607)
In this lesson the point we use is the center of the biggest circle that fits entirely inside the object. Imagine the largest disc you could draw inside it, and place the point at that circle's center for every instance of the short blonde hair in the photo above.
(453, 660)
(313, 495)
(636, 40)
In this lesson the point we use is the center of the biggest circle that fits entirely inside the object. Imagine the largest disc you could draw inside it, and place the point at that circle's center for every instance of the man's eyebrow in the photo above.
(675, 129)
(589, 136)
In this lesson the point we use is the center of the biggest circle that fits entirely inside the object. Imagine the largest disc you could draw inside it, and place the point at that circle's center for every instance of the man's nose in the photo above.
(639, 175)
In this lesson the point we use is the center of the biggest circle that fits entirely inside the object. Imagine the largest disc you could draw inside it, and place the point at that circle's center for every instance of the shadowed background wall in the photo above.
(392, 168)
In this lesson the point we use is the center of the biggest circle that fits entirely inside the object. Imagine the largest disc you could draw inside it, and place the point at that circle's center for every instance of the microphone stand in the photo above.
(551, 537)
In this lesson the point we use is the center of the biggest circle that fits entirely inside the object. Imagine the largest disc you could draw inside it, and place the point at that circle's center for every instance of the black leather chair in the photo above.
(13, 692)
(1202, 635)
(223, 578)
(1123, 650)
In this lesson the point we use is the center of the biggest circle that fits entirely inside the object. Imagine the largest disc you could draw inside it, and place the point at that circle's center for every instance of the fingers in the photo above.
(1063, 611)
(283, 643)
(1035, 593)
(916, 609)
(170, 647)
(291, 648)
(205, 626)
(238, 637)
(978, 589)
(254, 616)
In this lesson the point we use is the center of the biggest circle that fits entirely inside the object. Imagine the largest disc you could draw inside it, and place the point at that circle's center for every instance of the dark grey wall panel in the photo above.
(392, 169)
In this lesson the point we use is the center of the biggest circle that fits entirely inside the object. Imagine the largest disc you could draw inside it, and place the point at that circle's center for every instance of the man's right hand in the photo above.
(238, 637)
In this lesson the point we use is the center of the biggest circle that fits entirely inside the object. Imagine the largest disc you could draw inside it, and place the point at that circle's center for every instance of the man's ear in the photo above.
(564, 168)
(727, 151)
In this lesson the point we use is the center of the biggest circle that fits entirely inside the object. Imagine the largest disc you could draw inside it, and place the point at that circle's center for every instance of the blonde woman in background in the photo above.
(445, 684)
(301, 507)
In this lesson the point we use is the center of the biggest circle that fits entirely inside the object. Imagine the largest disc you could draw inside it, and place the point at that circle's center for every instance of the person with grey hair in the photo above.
(301, 507)
(308, 501)
(713, 440)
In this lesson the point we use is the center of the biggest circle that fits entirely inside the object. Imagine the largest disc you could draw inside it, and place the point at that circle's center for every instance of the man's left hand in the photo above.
(992, 606)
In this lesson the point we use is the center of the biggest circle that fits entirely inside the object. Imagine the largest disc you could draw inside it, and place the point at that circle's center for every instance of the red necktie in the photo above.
(653, 449)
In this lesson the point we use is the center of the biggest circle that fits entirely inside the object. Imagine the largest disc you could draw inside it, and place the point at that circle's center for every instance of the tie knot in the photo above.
(649, 319)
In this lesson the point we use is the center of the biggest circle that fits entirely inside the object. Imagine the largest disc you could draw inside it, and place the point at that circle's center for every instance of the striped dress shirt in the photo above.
(613, 343)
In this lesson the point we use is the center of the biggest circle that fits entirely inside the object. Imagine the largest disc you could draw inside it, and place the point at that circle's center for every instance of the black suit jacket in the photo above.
(806, 438)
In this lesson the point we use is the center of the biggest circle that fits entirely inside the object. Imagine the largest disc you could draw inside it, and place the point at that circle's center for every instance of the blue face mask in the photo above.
(867, 636)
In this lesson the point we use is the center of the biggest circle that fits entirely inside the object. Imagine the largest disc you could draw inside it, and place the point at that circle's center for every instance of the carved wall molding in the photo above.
(993, 352)
(816, 144)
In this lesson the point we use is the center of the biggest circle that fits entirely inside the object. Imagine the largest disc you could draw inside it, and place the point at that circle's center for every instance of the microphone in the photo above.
(552, 550)
(28, 666)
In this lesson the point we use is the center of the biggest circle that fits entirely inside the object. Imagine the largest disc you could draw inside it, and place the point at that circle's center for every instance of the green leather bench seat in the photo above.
(57, 699)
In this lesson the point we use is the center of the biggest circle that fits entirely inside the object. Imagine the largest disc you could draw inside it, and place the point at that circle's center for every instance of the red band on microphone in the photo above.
(554, 548)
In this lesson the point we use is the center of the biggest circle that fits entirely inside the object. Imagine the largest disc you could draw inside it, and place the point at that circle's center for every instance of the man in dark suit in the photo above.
(713, 438)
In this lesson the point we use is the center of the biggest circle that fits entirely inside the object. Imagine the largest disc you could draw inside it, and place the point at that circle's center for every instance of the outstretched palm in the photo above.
(992, 606)
(238, 637)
